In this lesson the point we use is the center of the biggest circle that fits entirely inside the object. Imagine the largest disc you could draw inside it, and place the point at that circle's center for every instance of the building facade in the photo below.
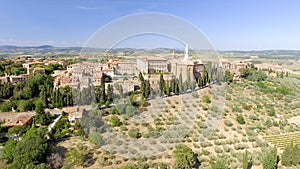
(152, 65)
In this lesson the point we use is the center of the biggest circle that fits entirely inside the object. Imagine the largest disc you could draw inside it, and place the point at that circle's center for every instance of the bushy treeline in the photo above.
(11, 68)
(253, 74)
(23, 96)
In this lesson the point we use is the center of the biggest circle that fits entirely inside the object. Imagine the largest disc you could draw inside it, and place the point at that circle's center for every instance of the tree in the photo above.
(228, 77)
(281, 74)
(31, 150)
(96, 138)
(180, 83)
(240, 119)
(200, 81)
(77, 156)
(143, 88)
(43, 118)
(55, 160)
(205, 76)
(290, 155)
(219, 163)
(25, 105)
(147, 89)
(115, 121)
(257, 76)
(184, 157)
(9, 149)
(206, 99)
(61, 128)
(119, 88)
(270, 159)
(110, 93)
(172, 84)
(130, 111)
(176, 87)
(18, 90)
(129, 166)
(167, 87)
(141, 77)
(18, 130)
(43, 96)
(188, 80)
(245, 72)
(100, 94)
(143, 101)
(245, 160)
(161, 85)
(6, 90)
(31, 88)
(134, 133)
(39, 108)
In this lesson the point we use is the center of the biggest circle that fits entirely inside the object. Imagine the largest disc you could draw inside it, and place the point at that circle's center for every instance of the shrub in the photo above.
(134, 133)
(95, 138)
(123, 128)
(218, 163)
(240, 146)
(236, 109)
(205, 152)
(217, 142)
(218, 150)
(221, 136)
(271, 112)
(269, 159)
(240, 119)
(290, 155)
(206, 99)
(226, 149)
(228, 123)
(205, 144)
(115, 121)
(253, 117)
(246, 107)
(77, 156)
(184, 157)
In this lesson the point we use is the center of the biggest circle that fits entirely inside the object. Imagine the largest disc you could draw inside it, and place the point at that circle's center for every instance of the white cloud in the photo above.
(10, 41)
(90, 8)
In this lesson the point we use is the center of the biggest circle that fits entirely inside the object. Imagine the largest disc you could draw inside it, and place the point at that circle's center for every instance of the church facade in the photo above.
(177, 66)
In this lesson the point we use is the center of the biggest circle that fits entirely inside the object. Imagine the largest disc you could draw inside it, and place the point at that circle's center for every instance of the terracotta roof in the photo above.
(16, 119)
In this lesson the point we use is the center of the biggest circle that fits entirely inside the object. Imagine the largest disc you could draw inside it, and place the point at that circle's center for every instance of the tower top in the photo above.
(186, 52)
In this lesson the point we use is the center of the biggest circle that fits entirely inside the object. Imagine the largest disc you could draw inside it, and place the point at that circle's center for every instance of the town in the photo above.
(124, 74)
(83, 101)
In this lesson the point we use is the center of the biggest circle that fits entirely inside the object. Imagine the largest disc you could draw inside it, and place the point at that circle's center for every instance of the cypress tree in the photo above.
(180, 83)
(147, 88)
(167, 88)
(245, 160)
(161, 85)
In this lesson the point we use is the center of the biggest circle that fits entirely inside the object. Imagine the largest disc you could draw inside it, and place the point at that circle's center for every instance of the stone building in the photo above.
(128, 67)
(152, 65)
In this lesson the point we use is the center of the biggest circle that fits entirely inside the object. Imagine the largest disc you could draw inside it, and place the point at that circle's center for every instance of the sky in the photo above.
(227, 24)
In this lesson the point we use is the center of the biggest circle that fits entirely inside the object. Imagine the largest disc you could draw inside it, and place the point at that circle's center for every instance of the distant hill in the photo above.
(10, 50)
(36, 49)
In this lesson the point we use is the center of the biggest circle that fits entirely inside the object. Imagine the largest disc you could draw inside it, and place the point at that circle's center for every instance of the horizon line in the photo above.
(217, 50)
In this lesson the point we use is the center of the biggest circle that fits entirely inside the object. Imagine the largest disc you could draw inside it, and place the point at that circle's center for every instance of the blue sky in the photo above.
(228, 24)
